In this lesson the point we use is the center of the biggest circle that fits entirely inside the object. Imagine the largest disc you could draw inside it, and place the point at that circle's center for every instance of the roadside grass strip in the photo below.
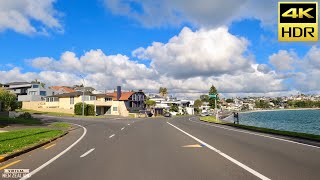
(6, 120)
(307, 136)
(60, 125)
(14, 141)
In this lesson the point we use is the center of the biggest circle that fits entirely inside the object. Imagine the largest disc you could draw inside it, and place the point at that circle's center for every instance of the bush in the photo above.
(25, 115)
(90, 110)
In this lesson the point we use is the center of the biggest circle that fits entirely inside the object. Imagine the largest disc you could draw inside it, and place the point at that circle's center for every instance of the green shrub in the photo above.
(90, 110)
(25, 115)
(78, 108)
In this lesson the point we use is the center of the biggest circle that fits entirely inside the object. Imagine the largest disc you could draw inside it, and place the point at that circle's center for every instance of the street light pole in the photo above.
(83, 95)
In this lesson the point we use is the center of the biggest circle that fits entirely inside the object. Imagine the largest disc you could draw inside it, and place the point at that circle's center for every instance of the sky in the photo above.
(186, 46)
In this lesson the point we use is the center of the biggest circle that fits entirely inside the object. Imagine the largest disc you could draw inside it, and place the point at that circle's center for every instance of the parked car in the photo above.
(204, 114)
(167, 114)
(148, 113)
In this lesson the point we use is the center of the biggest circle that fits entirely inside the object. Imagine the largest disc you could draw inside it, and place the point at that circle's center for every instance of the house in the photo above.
(134, 101)
(28, 91)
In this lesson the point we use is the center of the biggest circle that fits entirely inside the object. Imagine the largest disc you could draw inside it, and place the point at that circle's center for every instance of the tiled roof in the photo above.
(62, 88)
(124, 95)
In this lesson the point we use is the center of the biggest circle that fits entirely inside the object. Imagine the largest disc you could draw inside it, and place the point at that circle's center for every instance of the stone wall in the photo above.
(41, 106)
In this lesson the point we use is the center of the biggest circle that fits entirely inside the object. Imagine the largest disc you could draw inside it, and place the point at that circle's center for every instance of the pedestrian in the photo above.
(237, 117)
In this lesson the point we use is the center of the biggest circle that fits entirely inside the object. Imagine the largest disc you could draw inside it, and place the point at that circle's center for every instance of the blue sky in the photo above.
(81, 29)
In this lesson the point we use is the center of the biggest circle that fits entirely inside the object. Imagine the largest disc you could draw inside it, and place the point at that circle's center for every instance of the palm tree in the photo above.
(163, 91)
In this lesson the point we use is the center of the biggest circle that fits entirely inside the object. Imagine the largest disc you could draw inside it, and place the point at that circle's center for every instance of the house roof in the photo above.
(124, 95)
(62, 88)
(78, 93)
(17, 83)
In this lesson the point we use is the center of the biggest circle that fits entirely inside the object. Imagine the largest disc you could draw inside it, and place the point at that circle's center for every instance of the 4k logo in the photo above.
(298, 21)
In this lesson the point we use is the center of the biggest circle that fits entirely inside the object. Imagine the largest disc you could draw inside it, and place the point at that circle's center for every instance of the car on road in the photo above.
(204, 114)
(167, 114)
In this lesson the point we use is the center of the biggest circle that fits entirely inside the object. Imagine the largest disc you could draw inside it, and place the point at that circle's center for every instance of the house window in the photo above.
(89, 98)
(71, 100)
(108, 99)
(43, 93)
(35, 86)
(32, 92)
(115, 108)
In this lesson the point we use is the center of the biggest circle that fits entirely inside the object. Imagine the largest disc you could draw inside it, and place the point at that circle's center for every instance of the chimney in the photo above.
(118, 92)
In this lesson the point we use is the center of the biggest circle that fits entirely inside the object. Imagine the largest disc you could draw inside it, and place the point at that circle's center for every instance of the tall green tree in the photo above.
(213, 90)
(204, 98)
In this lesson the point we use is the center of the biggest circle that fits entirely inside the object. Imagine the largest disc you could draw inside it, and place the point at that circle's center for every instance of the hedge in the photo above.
(88, 109)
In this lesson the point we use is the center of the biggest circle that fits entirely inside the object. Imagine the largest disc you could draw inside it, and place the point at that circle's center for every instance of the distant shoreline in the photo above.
(267, 110)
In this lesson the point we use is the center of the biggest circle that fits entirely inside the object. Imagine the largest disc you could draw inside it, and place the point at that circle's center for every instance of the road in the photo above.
(168, 148)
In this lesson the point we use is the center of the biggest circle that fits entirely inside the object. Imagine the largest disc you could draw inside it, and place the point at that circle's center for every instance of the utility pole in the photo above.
(83, 95)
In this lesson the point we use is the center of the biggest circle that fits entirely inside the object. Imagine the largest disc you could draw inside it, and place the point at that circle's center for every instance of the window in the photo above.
(115, 108)
(35, 86)
(43, 93)
(52, 99)
(108, 99)
(71, 100)
(89, 98)
(32, 92)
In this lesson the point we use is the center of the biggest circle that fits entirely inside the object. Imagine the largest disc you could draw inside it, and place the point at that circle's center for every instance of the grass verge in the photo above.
(18, 140)
(6, 121)
(265, 130)
(60, 125)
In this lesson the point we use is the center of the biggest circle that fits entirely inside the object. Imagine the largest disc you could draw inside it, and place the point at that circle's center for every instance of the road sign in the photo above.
(212, 96)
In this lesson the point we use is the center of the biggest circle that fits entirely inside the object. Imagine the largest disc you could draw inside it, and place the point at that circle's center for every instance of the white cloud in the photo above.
(201, 53)
(20, 15)
(208, 13)
(283, 60)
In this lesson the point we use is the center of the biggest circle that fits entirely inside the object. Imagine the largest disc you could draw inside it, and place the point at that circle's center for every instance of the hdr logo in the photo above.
(298, 21)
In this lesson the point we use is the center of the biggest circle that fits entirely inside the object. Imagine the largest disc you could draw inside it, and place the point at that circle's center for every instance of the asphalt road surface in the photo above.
(167, 149)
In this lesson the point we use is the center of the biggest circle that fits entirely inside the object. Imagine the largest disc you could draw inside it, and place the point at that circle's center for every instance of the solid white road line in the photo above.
(111, 135)
(128, 124)
(57, 156)
(88, 152)
(122, 128)
(257, 174)
(256, 134)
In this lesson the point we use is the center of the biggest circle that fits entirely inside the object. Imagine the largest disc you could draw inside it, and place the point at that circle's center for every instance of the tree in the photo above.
(213, 90)
(163, 91)
(229, 100)
(9, 100)
(150, 103)
(197, 103)
(174, 108)
(204, 98)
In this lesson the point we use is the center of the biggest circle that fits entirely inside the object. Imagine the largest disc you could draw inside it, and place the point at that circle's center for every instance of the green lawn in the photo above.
(210, 119)
(56, 113)
(21, 139)
(61, 125)
(265, 130)
(7, 121)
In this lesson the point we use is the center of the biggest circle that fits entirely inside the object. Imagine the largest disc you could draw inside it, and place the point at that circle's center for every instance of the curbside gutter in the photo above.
(10, 156)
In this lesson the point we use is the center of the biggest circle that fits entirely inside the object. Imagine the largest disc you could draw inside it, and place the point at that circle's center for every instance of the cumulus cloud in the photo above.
(20, 15)
(283, 60)
(208, 13)
(200, 53)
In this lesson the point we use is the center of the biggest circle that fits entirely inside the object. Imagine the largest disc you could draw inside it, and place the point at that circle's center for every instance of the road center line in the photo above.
(111, 135)
(86, 153)
(122, 128)
(257, 174)
(10, 164)
(49, 146)
(128, 124)
(266, 136)
(57, 156)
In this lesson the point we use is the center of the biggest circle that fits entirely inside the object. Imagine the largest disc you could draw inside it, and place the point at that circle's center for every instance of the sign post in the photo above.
(215, 96)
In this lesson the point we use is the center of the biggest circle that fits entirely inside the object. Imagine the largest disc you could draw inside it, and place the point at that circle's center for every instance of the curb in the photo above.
(5, 158)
